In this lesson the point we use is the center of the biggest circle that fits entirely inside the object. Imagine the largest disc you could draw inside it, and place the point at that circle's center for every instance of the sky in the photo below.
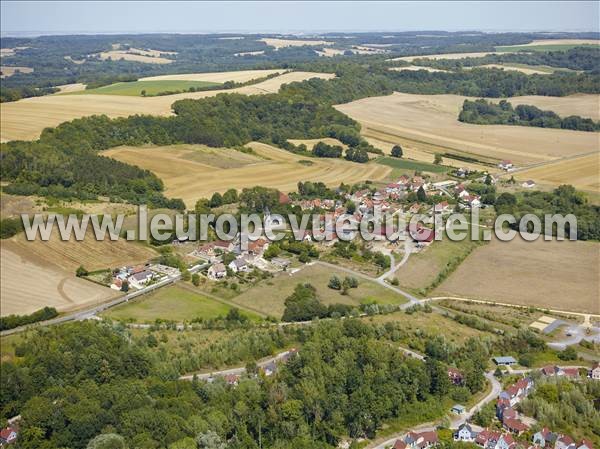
(55, 17)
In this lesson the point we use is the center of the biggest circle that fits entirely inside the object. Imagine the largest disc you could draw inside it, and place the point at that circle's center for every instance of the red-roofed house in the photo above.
(8, 435)
(514, 425)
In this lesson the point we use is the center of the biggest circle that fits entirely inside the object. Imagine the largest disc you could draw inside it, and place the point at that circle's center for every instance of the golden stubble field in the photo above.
(560, 275)
(25, 119)
(37, 274)
(30, 283)
(429, 123)
(582, 172)
(191, 172)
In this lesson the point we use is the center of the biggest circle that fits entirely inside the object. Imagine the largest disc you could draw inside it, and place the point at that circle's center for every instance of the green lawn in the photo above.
(135, 88)
(170, 303)
(269, 295)
(547, 47)
(405, 164)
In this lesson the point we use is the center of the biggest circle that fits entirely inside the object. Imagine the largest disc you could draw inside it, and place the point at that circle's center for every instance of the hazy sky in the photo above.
(140, 16)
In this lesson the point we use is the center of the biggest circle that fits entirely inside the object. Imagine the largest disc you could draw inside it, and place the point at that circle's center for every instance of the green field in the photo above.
(171, 303)
(556, 47)
(404, 164)
(269, 296)
(135, 88)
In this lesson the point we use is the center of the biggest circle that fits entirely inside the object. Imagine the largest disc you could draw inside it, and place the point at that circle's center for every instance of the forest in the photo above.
(482, 112)
(562, 200)
(76, 381)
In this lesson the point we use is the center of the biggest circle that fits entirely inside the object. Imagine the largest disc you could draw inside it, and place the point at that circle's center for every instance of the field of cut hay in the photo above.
(429, 123)
(282, 43)
(10, 70)
(560, 275)
(582, 172)
(241, 76)
(191, 172)
(25, 119)
(585, 105)
(30, 283)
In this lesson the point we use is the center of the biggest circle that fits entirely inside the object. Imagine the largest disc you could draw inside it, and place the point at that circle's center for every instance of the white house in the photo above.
(141, 279)
(239, 265)
(595, 371)
(505, 165)
(528, 184)
(465, 433)
(7, 435)
(217, 271)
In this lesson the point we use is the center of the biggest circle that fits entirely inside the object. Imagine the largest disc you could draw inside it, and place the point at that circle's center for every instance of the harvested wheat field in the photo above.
(523, 69)
(445, 56)
(69, 88)
(430, 122)
(30, 283)
(241, 76)
(560, 275)
(25, 119)
(414, 68)
(137, 55)
(92, 254)
(538, 42)
(191, 172)
(10, 70)
(310, 143)
(282, 43)
(582, 173)
(585, 105)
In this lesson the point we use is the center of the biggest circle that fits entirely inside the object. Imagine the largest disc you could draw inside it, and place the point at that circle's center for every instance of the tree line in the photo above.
(482, 112)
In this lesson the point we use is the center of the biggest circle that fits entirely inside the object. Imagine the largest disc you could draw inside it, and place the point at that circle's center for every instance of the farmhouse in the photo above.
(595, 371)
(140, 279)
(217, 271)
(239, 265)
(528, 184)
(505, 165)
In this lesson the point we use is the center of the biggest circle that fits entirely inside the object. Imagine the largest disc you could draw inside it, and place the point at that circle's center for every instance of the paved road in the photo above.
(88, 313)
(237, 371)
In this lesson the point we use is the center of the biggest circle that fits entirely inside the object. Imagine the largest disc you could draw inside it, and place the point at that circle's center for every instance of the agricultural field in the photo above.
(581, 172)
(549, 45)
(135, 88)
(430, 123)
(25, 119)
(310, 143)
(69, 88)
(527, 70)
(241, 76)
(423, 268)
(405, 164)
(191, 172)
(413, 68)
(584, 105)
(92, 254)
(445, 56)
(136, 55)
(10, 70)
(268, 297)
(174, 303)
(559, 275)
(30, 283)
(282, 43)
